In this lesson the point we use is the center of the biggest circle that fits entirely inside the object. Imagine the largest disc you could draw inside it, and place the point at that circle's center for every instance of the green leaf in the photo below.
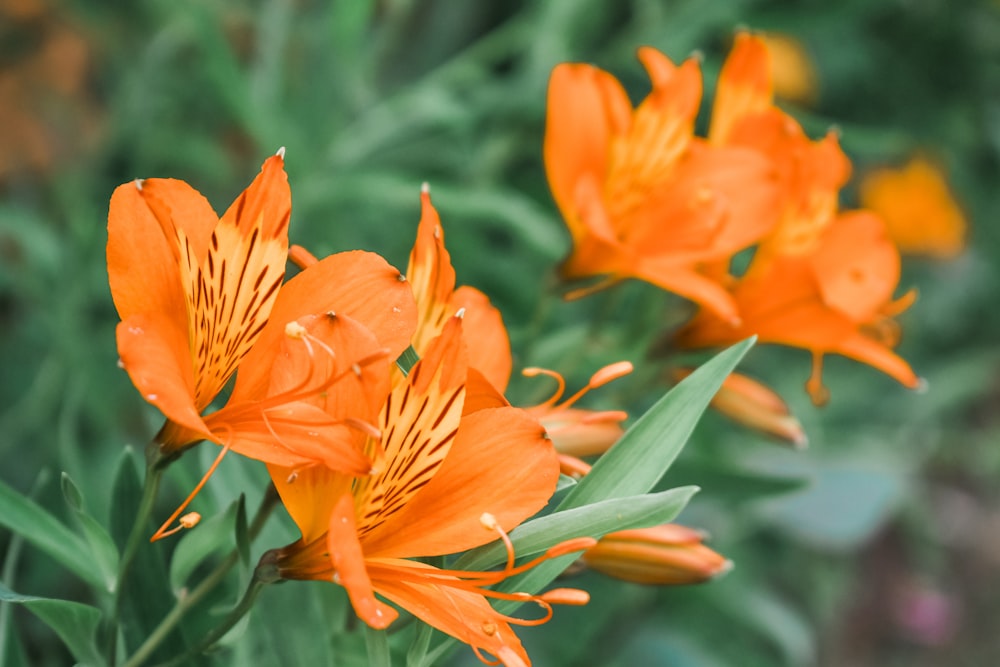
(26, 518)
(645, 452)
(71, 492)
(103, 551)
(242, 532)
(377, 643)
(595, 520)
(208, 537)
(74, 622)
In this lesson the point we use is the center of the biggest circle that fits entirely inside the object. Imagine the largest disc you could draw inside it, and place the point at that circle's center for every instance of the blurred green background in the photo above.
(879, 545)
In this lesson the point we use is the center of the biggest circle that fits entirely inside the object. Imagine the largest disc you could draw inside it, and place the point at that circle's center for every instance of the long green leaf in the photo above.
(74, 622)
(29, 520)
(102, 548)
(645, 452)
(595, 520)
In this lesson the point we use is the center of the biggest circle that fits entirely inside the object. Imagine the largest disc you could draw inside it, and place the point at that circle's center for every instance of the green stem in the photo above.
(170, 621)
(156, 463)
(265, 573)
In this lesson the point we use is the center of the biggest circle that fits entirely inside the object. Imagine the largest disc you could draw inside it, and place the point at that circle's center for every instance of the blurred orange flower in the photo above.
(441, 489)
(836, 300)
(641, 195)
(918, 208)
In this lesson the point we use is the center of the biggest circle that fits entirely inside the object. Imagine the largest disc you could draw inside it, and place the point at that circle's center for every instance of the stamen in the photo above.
(489, 522)
(295, 330)
(534, 371)
(814, 385)
(162, 531)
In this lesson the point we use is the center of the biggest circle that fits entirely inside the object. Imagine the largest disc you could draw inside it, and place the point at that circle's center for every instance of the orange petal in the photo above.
(309, 495)
(292, 435)
(430, 272)
(744, 87)
(349, 566)
(690, 284)
(154, 353)
(586, 108)
(480, 394)
(485, 335)
(873, 353)
(418, 424)
(857, 265)
(359, 284)
(142, 261)
(500, 463)
(464, 615)
(267, 201)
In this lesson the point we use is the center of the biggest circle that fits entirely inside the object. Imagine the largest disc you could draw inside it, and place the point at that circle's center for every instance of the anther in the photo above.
(190, 520)
(488, 521)
(489, 628)
(570, 596)
(295, 330)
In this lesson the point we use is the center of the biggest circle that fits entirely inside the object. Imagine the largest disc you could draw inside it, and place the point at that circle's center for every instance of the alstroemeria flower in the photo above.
(449, 480)
(193, 291)
(642, 196)
(918, 208)
(836, 300)
(199, 296)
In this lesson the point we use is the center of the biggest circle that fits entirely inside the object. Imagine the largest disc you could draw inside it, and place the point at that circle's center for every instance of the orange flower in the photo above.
(670, 554)
(642, 197)
(836, 300)
(199, 296)
(441, 489)
(919, 209)
(193, 291)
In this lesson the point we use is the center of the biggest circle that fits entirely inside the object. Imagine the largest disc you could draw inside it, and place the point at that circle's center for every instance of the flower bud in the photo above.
(662, 555)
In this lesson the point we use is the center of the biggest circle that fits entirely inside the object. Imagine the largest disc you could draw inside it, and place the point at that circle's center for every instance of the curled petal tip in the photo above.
(425, 188)
(697, 56)
(281, 153)
(138, 184)
(922, 387)
(460, 314)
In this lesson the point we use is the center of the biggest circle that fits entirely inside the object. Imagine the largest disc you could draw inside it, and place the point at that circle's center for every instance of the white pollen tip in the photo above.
(425, 188)
(138, 184)
(281, 153)
(460, 314)
(295, 330)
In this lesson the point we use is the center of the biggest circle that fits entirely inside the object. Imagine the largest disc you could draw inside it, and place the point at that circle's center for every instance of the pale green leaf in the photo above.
(74, 622)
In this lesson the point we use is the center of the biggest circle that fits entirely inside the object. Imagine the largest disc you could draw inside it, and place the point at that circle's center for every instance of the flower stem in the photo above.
(170, 621)
(265, 573)
(156, 463)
